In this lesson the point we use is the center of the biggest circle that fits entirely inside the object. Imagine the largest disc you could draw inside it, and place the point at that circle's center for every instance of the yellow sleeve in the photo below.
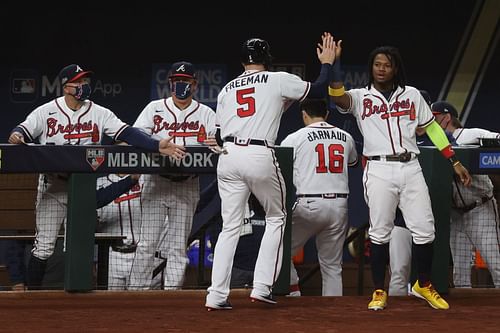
(439, 139)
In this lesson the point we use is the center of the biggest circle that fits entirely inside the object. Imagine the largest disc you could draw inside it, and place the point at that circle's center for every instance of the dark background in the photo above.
(121, 42)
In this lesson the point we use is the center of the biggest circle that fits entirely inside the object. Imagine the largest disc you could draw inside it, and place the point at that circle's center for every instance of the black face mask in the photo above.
(82, 91)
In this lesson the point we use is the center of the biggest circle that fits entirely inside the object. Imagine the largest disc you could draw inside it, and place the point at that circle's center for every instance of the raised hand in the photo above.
(326, 50)
(171, 149)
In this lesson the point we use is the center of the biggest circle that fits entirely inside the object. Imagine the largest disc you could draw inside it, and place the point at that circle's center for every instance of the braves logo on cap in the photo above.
(183, 68)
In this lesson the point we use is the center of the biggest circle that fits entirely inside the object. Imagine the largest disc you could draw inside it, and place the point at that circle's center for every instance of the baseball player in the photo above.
(121, 217)
(474, 215)
(400, 245)
(169, 200)
(388, 113)
(322, 191)
(249, 109)
(71, 119)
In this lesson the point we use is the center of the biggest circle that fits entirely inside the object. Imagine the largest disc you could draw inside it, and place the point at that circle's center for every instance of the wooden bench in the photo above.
(17, 218)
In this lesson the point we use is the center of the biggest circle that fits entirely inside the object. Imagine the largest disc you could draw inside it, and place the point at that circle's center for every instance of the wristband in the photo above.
(336, 92)
(447, 151)
(454, 162)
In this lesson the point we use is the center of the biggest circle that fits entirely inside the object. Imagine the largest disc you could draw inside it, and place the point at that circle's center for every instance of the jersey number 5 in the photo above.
(247, 102)
(335, 158)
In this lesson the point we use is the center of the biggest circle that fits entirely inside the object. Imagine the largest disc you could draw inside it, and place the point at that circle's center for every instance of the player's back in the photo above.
(251, 105)
(322, 154)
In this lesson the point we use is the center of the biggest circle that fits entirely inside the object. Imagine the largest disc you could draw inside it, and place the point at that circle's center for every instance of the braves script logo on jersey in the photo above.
(189, 128)
(84, 130)
(95, 157)
(396, 109)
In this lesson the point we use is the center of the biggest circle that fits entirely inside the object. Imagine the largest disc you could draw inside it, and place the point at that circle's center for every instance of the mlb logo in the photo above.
(23, 86)
(95, 157)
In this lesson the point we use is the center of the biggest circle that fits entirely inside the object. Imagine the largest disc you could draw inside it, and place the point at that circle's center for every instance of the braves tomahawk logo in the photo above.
(95, 157)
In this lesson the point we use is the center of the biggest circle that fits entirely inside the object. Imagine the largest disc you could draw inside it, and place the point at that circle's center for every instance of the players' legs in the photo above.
(304, 226)
(50, 215)
(483, 224)
(415, 204)
(330, 244)
(461, 249)
(269, 188)
(381, 195)
(182, 205)
(400, 261)
(234, 194)
(116, 276)
(154, 211)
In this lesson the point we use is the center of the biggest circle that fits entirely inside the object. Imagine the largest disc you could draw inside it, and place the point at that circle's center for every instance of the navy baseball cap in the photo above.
(72, 73)
(183, 69)
(444, 107)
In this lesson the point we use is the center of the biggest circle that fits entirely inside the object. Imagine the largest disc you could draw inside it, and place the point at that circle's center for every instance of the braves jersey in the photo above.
(55, 123)
(123, 215)
(163, 119)
(471, 136)
(260, 98)
(481, 184)
(332, 150)
(388, 126)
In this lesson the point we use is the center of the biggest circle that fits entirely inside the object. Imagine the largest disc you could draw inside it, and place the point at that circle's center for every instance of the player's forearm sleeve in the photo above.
(439, 139)
(109, 193)
(135, 137)
(318, 87)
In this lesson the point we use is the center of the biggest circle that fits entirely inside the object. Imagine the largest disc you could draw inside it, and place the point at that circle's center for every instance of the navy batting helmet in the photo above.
(256, 51)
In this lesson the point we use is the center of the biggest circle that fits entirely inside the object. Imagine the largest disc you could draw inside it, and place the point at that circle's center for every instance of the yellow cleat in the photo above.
(430, 295)
(379, 300)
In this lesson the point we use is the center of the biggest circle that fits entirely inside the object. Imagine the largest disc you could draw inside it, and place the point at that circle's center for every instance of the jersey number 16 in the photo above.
(335, 158)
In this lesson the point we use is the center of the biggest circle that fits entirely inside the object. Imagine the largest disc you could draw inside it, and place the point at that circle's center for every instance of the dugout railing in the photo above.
(83, 163)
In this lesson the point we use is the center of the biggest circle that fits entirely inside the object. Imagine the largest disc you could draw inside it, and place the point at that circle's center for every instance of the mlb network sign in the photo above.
(489, 160)
(211, 79)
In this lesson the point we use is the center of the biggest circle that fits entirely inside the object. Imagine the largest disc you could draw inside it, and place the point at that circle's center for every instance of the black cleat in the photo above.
(269, 299)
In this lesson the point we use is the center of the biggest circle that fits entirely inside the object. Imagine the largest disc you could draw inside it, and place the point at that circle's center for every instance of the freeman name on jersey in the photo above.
(326, 134)
(243, 81)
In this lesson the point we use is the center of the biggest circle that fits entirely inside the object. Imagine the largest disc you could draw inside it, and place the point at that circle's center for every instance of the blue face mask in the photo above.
(181, 89)
(83, 91)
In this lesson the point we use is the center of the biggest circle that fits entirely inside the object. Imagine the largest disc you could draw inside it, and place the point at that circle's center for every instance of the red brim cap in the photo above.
(182, 75)
(80, 75)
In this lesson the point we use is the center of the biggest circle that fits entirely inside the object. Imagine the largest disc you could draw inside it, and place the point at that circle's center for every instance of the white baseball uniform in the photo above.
(474, 218)
(322, 154)
(388, 128)
(249, 109)
(169, 201)
(55, 123)
(121, 217)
